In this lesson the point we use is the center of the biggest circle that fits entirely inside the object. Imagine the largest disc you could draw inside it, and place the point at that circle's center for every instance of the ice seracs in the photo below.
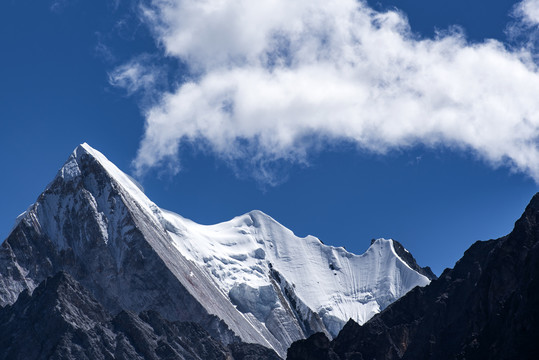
(249, 277)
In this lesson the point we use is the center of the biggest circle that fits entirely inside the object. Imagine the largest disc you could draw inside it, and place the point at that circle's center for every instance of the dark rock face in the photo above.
(410, 260)
(487, 307)
(316, 347)
(61, 320)
(244, 351)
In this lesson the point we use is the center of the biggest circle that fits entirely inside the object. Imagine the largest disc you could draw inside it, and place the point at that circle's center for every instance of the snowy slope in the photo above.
(250, 277)
(240, 255)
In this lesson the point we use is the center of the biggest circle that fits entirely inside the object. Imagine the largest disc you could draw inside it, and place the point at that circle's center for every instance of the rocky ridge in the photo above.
(486, 307)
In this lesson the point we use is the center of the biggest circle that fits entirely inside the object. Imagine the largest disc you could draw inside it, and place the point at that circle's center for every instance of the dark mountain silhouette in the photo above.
(486, 307)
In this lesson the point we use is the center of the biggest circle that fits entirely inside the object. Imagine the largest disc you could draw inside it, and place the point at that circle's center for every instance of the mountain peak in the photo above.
(75, 164)
(407, 257)
(71, 170)
(84, 147)
(255, 218)
(83, 151)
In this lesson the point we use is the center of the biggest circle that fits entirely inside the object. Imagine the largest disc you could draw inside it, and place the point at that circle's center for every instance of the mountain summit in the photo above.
(248, 279)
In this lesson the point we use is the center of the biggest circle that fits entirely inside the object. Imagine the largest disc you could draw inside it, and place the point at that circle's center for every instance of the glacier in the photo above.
(248, 279)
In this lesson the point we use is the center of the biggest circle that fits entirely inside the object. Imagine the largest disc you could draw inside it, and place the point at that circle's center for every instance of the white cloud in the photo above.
(137, 75)
(528, 11)
(276, 77)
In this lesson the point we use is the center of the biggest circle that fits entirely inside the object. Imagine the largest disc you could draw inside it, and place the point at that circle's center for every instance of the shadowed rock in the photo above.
(61, 320)
(486, 307)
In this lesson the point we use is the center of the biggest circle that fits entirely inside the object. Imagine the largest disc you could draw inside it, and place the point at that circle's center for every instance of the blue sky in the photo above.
(114, 74)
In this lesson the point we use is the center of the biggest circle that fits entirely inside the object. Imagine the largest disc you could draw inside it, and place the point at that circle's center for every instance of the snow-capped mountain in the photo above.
(249, 278)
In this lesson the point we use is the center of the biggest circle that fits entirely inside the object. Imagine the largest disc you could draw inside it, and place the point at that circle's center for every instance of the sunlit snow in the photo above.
(240, 255)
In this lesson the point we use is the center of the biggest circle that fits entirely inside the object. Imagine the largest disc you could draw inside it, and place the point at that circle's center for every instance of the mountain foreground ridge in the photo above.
(61, 320)
(486, 307)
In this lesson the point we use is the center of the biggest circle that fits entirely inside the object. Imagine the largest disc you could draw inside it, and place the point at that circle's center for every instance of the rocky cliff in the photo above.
(486, 307)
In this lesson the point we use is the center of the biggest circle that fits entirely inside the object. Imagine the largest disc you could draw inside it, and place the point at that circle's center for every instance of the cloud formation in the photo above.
(274, 79)
(528, 11)
(135, 75)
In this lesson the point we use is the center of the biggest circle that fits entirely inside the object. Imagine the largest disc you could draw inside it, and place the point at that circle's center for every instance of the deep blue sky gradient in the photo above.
(54, 94)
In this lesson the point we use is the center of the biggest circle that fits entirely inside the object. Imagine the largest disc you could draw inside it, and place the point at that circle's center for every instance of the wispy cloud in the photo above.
(103, 51)
(142, 76)
(274, 79)
(525, 30)
(58, 6)
(528, 11)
